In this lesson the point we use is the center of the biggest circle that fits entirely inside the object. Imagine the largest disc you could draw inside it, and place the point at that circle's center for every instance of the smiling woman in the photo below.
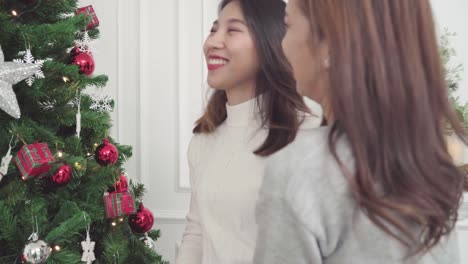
(254, 111)
(231, 55)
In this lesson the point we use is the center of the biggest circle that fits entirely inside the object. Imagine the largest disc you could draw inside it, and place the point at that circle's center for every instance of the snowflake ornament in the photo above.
(47, 105)
(84, 44)
(29, 58)
(88, 250)
(101, 102)
(66, 15)
(149, 242)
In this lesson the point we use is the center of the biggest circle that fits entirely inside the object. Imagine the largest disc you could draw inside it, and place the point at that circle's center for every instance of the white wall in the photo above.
(151, 51)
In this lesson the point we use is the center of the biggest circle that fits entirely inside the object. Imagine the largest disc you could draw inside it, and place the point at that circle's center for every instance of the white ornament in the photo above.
(78, 122)
(66, 15)
(6, 159)
(12, 73)
(47, 105)
(5, 163)
(149, 242)
(36, 251)
(84, 44)
(101, 102)
(29, 58)
(88, 249)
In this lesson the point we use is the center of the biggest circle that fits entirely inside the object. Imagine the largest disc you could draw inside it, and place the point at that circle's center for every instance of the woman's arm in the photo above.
(190, 250)
(281, 237)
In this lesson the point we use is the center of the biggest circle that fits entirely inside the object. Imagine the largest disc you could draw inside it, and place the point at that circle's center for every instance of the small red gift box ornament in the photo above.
(117, 204)
(34, 160)
(89, 12)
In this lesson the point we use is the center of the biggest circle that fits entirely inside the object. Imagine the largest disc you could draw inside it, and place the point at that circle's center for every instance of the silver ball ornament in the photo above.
(36, 251)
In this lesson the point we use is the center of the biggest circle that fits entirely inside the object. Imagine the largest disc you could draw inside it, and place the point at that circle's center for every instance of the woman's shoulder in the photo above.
(196, 145)
(308, 179)
(202, 138)
(308, 142)
(285, 163)
(308, 161)
(200, 143)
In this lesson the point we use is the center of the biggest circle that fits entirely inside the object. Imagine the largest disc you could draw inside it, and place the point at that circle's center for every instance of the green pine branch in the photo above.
(60, 214)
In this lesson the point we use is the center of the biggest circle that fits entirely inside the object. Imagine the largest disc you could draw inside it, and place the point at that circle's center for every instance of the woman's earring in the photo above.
(326, 63)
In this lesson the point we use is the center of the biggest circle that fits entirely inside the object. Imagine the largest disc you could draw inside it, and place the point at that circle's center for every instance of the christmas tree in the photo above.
(64, 196)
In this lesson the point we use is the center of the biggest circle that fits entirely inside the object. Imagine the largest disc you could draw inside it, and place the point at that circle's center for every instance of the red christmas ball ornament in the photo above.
(121, 185)
(62, 176)
(106, 153)
(83, 60)
(142, 221)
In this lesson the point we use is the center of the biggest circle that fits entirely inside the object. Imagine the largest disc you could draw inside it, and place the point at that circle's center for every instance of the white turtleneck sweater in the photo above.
(225, 177)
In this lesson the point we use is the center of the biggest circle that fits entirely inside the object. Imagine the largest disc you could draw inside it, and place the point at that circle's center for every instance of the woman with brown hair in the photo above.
(377, 185)
(254, 111)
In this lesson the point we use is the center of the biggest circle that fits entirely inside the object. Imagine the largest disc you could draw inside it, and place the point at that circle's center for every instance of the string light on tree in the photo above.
(78, 166)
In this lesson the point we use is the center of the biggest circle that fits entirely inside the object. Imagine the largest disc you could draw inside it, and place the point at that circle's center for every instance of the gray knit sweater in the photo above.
(306, 214)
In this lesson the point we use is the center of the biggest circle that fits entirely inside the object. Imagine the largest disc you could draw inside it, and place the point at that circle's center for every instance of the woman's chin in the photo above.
(215, 84)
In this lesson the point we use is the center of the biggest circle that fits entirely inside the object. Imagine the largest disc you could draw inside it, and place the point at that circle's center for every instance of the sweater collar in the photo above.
(242, 114)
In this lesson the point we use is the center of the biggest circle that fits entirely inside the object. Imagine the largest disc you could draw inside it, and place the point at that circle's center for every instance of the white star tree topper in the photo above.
(12, 73)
